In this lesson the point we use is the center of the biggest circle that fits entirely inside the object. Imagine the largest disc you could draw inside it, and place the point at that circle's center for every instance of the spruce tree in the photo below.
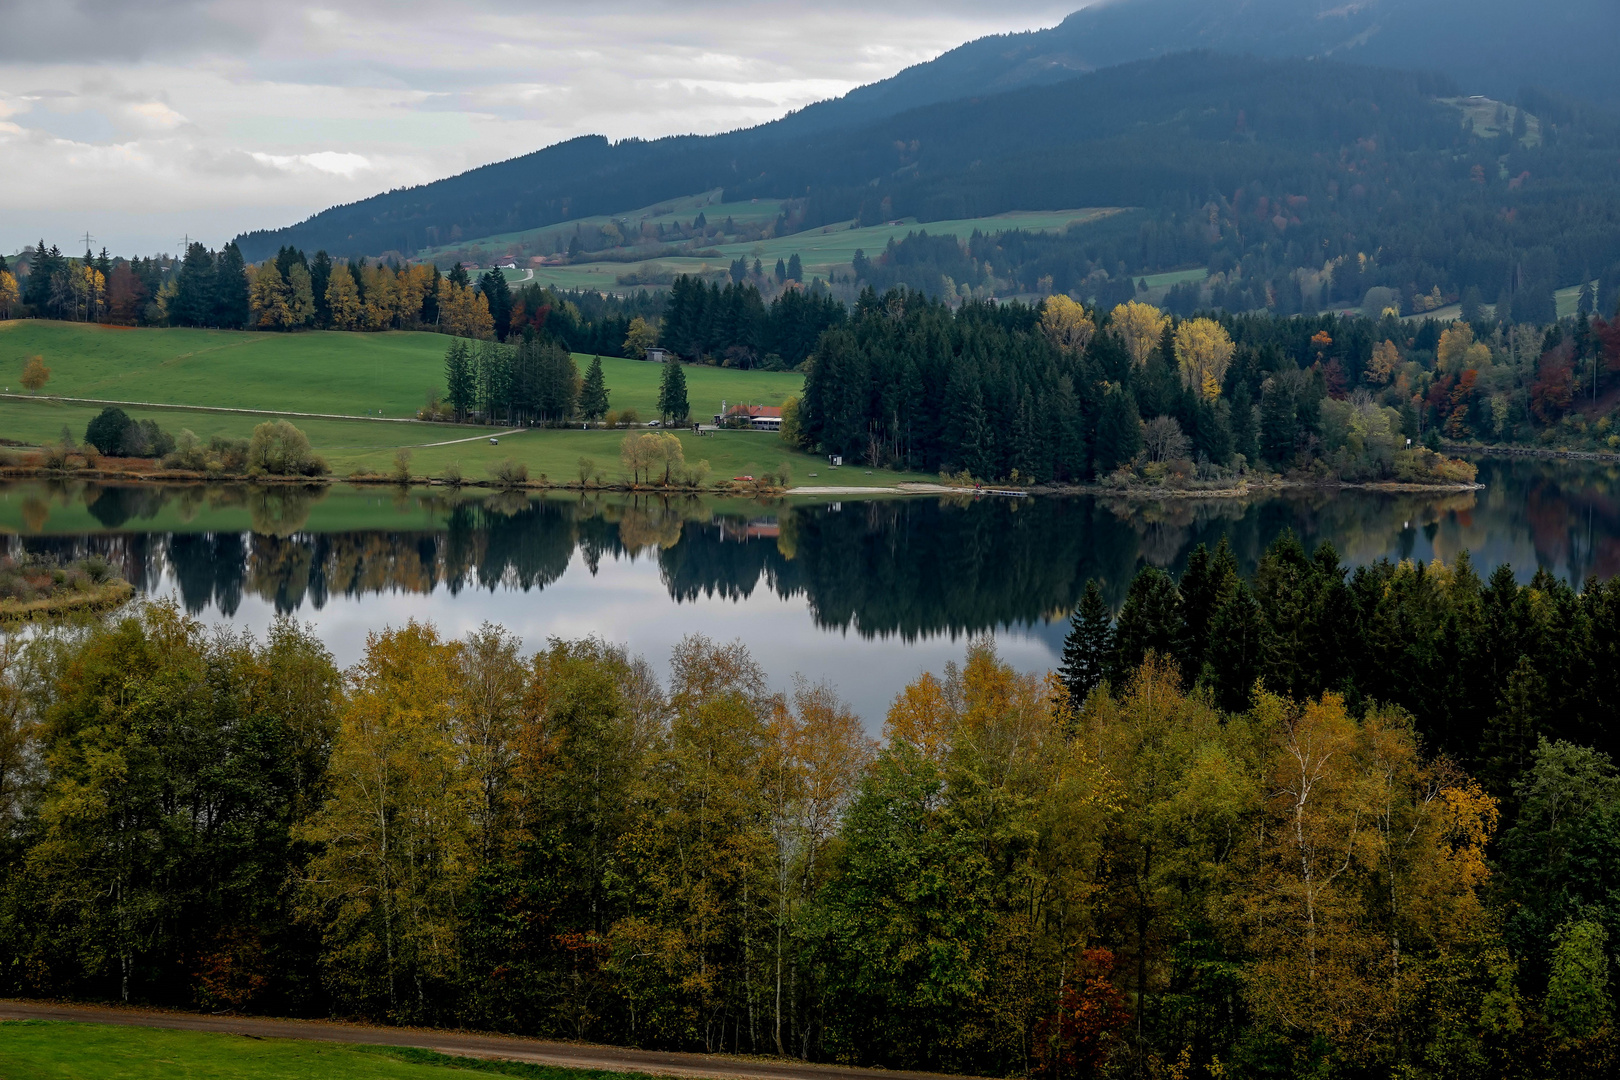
(1236, 650)
(1150, 622)
(320, 276)
(1206, 584)
(460, 384)
(795, 268)
(1087, 647)
(1119, 431)
(231, 307)
(593, 396)
(672, 404)
(1243, 426)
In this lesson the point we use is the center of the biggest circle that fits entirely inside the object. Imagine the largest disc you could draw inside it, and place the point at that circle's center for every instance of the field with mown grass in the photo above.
(41, 1050)
(349, 374)
(820, 250)
(351, 446)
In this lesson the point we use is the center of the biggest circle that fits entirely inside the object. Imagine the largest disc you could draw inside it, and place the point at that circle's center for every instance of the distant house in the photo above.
(758, 417)
(657, 355)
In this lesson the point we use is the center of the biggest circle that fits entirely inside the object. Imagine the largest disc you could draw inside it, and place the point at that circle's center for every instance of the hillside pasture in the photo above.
(331, 372)
(370, 446)
(821, 250)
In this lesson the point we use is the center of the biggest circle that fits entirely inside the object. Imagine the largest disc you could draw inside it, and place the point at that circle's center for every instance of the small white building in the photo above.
(657, 355)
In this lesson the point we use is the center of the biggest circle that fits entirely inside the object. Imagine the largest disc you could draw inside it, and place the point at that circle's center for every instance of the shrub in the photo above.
(188, 453)
(229, 455)
(108, 431)
(279, 449)
(509, 473)
(115, 433)
(452, 474)
(402, 465)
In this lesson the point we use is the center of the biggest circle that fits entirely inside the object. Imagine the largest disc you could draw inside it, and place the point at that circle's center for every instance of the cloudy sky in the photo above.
(142, 121)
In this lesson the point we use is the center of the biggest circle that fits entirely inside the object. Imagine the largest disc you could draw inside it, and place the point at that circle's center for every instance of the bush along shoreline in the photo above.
(38, 587)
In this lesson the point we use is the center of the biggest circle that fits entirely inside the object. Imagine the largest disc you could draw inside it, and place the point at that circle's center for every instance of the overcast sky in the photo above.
(142, 121)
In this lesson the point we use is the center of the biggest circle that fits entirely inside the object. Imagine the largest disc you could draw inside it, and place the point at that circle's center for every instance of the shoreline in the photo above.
(114, 594)
(1240, 489)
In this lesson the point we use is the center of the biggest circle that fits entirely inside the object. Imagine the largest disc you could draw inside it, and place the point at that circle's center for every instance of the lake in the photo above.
(865, 593)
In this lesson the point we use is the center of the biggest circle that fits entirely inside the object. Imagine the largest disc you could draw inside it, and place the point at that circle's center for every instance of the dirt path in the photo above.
(459, 1043)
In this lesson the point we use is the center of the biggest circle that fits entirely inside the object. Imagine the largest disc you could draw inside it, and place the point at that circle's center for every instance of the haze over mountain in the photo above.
(1493, 47)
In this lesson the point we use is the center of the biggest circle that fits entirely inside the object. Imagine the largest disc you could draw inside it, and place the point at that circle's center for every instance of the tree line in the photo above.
(1061, 392)
(1119, 869)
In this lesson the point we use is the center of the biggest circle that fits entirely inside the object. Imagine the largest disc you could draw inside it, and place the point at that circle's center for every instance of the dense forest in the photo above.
(1265, 171)
(1299, 822)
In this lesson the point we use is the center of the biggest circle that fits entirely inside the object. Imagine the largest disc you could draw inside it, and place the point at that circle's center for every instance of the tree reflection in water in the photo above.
(899, 567)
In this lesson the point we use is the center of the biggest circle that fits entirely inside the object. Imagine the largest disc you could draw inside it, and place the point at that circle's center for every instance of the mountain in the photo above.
(1491, 47)
(1263, 170)
(1016, 150)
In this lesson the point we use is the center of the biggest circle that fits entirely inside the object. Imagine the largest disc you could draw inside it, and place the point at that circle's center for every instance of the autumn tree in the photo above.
(396, 840)
(35, 374)
(642, 336)
(1067, 324)
(1139, 326)
(1203, 353)
(1385, 359)
(343, 311)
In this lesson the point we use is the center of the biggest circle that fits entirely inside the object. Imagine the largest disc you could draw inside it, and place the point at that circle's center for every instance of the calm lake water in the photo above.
(864, 593)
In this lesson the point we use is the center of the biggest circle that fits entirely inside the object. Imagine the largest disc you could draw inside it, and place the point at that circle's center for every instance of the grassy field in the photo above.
(350, 374)
(185, 372)
(821, 250)
(31, 1050)
(351, 446)
(669, 212)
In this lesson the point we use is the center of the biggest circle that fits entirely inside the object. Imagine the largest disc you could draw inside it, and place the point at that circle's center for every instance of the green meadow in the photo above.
(822, 250)
(351, 446)
(349, 374)
(33, 1050)
(184, 374)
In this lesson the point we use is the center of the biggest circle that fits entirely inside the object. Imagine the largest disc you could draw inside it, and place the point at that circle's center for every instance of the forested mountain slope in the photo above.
(1255, 167)
(1494, 47)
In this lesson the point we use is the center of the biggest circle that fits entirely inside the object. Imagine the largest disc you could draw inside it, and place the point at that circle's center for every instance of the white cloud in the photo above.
(207, 108)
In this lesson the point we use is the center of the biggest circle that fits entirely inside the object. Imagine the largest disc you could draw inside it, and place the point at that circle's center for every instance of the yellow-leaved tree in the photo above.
(1139, 326)
(1067, 324)
(268, 296)
(1360, 890)
(464, 312)
(1459, 352)
(1203, 353)
(35, 374)
(1385, 359)
(396, 836)
(342, 300)
(641, 337)
(9, 295)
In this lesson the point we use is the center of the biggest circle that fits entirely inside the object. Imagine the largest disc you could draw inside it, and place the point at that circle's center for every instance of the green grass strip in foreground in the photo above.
(56, 1050)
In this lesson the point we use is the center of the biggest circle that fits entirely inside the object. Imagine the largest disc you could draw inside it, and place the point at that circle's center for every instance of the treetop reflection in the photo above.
(908, 567)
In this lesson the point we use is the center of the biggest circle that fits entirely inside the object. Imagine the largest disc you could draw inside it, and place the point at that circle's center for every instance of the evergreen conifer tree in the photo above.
(1088, 645)
(231, 308)
(1235, 651)
(320, 276)
(795, 268)
(672, 403)
(461, 387)
(593, 395)
(1119, 431)
(1150, 622)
